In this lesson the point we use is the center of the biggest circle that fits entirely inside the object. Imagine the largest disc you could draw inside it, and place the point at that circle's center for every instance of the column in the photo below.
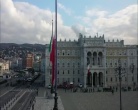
(92, 81)
(97, 79)
(92, 59)
(104, 74)
(85, 78)
(97, 59)
(103, 80)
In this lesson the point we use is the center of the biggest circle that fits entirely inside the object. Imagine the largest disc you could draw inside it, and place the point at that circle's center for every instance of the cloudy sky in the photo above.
(29, 21)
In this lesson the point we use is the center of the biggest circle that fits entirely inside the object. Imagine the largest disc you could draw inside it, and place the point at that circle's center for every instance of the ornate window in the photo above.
(63, 52)
(78, 64)
(68, 52)
(58, 52)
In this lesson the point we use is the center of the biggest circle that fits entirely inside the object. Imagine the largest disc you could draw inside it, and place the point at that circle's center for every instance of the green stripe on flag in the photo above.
(50, 45)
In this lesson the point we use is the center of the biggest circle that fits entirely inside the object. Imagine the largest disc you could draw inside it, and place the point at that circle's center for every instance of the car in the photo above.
(80, 85)
(16, 76)
(29, 79)
(49, 87)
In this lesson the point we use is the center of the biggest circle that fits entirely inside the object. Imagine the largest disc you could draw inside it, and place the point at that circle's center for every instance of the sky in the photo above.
(30, 21)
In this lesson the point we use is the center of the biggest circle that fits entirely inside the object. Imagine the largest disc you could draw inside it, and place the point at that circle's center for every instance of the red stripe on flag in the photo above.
(88, 69)
(52, 59)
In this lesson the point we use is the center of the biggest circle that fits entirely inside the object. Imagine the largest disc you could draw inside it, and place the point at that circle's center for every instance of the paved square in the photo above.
(98, 100)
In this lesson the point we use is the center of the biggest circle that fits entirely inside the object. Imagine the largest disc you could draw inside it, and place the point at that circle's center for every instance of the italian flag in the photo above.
(52, 57)
(88, 69)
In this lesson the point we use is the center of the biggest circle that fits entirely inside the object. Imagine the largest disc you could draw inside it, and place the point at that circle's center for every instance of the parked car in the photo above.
(49, 87)
(29, 79)
(80, 85)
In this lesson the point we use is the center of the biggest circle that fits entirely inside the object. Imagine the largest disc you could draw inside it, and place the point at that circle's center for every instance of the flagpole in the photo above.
(56, 98)
(52, 40)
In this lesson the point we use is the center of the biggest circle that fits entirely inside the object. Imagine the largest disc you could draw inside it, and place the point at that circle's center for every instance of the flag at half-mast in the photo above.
(52, 48)
(88, 69)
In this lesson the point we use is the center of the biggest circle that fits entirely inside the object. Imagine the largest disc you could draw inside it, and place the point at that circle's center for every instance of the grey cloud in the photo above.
(22, 22)
(120, 25)
(79, 29)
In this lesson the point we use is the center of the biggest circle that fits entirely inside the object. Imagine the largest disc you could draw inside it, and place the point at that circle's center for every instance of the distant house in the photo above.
(4, 66)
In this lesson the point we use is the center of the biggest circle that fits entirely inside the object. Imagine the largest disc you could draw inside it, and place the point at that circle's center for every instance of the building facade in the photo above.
(16, 63)
(4, 67)
(101, 56)
(29, 61)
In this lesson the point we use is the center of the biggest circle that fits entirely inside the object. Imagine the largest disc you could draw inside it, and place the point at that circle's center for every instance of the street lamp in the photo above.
(132, 70)
(120, 71)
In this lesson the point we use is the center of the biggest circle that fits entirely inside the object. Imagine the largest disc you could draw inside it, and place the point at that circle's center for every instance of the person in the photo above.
(65, 88)
(112, 91)
(116, 89)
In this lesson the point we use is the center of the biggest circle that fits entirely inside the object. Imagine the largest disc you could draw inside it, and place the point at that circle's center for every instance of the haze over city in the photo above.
(29, 21)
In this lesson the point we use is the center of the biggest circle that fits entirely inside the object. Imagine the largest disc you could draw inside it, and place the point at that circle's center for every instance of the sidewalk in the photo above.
(43, 103)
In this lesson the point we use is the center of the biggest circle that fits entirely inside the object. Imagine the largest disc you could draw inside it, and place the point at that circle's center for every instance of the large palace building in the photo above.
(101, 56)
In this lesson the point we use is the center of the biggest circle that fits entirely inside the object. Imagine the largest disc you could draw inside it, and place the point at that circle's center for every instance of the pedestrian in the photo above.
(116, 89)
(65, 87)
(112, 91)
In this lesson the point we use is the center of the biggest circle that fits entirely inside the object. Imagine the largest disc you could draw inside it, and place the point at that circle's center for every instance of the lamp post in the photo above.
(119, 71)
(132, 70)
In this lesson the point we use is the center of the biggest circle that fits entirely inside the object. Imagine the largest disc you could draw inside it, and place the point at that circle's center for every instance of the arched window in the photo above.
(58, 52)
(63, 52)
(78, 64)
(68, 52)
